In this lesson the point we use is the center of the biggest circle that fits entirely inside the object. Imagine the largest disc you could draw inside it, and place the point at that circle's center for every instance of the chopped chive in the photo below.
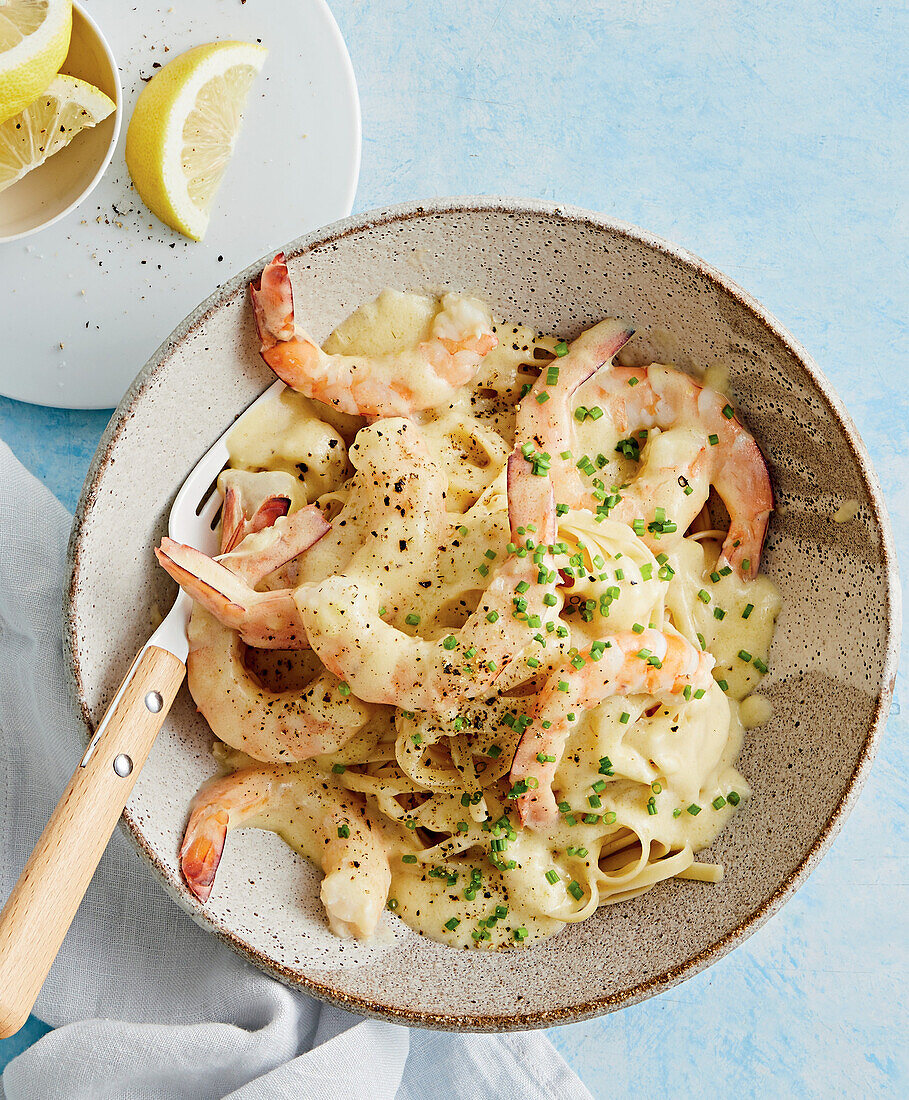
(624, 717)
(392, 904)
(483, 570)
(700, 638)
(637, 628)
(561, 348)
(552, 876)
(412, 619)
(687, 692)
(452, 923)
(633, 381)
(676, 813)
(344, 831)
(646, 571)
(492, 617)
(746, 565)
(552, 376)
(719, 613)
(520, 934)
(563, 685)
(595, 801)
(713, 440)
(760, 666)
(704, 596)
(344, 689)
(728, 412)
(462, 530)
(694, 809)
(576, 890)
(724, 686)
(450, 642)
(550, 599)
(714, 577)
(494, 751)
(744, 655)
(408, 859)
(542, 398)
(718, 803)
(699, 694)
(733, 798)
(580, 414)
(749, 607)
(339, 769)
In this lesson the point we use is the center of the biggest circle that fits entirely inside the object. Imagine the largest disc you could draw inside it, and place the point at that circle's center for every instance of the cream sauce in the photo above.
(463, 871)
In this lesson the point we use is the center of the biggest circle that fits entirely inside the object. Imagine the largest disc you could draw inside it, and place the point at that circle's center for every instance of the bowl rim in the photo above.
(112, 144)
(753, 921)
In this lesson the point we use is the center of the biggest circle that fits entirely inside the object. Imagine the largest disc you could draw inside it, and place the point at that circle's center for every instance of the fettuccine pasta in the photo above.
(488, 726)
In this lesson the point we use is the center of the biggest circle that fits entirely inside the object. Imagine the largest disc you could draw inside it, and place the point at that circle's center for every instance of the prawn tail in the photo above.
(233, 520)
(273, 303)
(208, 582)
(234, 524)
(744, 544)
(202, 848)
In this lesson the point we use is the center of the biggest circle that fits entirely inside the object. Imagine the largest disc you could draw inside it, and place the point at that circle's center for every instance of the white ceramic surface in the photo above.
(64, 182)
(120, 277)
(832, 663)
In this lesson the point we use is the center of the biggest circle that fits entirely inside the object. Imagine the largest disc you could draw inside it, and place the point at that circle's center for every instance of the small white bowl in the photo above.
(50, 192)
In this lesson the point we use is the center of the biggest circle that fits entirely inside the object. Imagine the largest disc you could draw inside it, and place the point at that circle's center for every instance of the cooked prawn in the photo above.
(319, 717)
(544, 417)
(333, 821)
(663, 397)
(267, 620)
(626, 663)
(253, 501)
(389, 385)
(385, 665)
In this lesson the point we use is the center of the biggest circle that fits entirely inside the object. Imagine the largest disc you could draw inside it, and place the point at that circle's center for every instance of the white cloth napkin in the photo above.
(145, 1003)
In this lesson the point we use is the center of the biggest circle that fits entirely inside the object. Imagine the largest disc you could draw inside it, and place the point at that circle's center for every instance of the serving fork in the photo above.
(53, 882)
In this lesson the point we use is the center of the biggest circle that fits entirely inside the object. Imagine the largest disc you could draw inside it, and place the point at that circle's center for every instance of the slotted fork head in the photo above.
(193, 521)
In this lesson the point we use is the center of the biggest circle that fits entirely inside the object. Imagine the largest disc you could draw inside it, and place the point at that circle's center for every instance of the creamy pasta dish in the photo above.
(482, 635)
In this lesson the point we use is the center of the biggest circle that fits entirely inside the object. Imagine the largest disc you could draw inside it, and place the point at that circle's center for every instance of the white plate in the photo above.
(109, 281)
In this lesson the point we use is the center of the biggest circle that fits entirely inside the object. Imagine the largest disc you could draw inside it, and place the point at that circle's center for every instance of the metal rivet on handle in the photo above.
(123, 765)
(153, 701)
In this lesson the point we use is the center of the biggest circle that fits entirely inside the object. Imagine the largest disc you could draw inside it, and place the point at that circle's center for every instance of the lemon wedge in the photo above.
(66, 108)
(184, 128)
(34, 39)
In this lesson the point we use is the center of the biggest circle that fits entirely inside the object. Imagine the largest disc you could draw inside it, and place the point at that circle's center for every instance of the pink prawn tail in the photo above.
(201, 850)
(273, 303)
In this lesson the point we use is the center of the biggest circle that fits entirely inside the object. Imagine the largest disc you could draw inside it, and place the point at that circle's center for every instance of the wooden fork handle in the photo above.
(44, 901)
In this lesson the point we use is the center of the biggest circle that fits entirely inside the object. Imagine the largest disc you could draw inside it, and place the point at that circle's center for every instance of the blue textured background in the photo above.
(765, 137)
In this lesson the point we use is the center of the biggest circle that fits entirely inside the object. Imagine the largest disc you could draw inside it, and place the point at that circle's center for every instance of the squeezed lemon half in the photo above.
(184, 128)
(34, 39)
(65, 108)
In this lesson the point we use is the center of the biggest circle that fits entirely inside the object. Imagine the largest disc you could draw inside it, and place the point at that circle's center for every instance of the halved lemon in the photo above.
(184, 128)
(65, 108)
(34, 39)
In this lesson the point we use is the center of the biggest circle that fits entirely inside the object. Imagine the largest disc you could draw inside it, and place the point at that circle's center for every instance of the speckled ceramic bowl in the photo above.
(832, 664)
